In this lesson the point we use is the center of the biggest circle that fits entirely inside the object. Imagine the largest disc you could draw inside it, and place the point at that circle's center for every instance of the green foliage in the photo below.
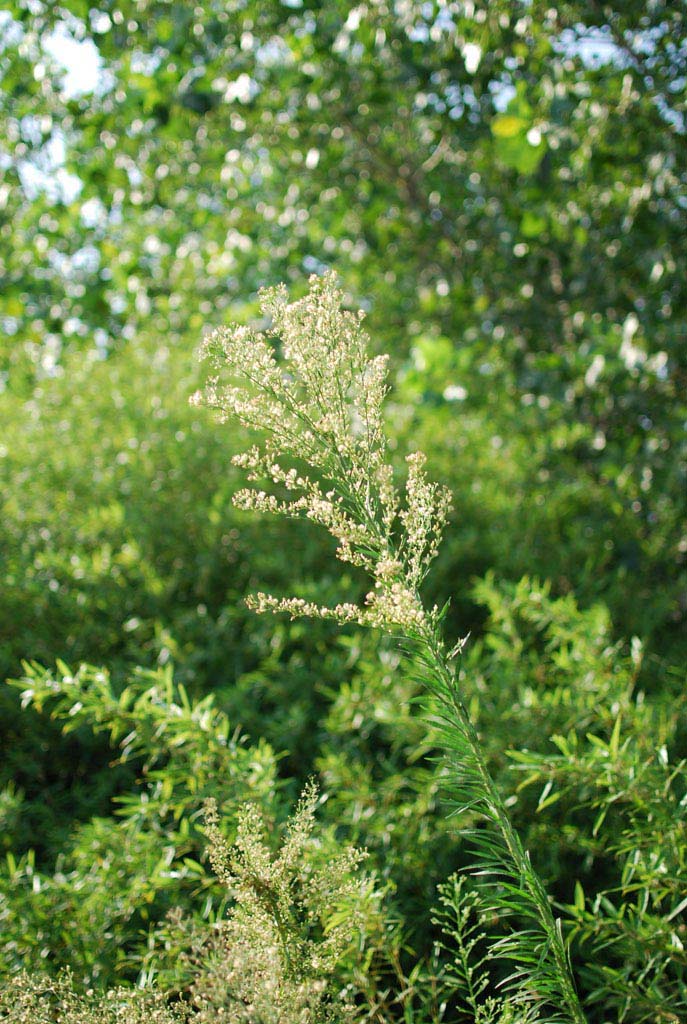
(206, 168)
(609, 792)
(462, 917)
(581, 484)
(92, 466)
(631, 935)
(501, 186)
(273, 959)
(117, 878)
(403, 183)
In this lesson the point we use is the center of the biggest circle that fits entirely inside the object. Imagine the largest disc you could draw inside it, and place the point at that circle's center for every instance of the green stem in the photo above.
(498, 813)
(495, 807)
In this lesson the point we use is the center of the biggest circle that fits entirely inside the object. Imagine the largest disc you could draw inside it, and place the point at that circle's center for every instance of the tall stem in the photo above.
(498, 813)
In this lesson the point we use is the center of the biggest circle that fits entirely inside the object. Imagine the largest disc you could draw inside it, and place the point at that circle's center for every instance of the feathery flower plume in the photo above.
(320, 408)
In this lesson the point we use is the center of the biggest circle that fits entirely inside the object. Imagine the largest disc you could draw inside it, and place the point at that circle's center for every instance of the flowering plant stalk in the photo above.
(318, 414)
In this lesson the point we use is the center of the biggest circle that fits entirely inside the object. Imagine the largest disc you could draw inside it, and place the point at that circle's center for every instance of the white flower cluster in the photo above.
(294, 916)
(320, 407)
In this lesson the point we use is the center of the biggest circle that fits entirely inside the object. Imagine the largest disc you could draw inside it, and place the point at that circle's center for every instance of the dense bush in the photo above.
(551, 693)
(500, 186)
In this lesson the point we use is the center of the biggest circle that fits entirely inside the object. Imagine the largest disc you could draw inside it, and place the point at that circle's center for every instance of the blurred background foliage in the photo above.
(502, 187)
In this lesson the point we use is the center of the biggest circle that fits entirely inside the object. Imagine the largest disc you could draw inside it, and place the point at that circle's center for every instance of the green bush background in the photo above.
(515, 230)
